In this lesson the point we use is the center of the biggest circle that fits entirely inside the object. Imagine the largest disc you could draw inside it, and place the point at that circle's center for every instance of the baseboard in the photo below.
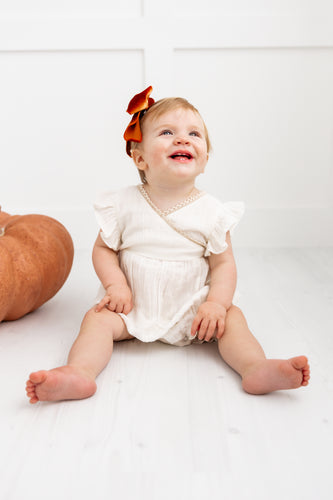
(260, 227)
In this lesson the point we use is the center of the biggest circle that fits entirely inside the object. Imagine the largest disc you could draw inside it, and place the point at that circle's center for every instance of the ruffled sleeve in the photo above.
(106, 215)
(227, 219)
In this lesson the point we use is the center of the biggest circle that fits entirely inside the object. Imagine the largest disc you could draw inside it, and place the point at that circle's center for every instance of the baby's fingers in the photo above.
(195, 325)
(210, 330)
(119, 307)
(220, 329)
(102, 304)
(127, 308)
(204, 326)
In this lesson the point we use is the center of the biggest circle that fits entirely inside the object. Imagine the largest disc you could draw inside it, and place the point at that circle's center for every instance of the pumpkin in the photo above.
(36, 256)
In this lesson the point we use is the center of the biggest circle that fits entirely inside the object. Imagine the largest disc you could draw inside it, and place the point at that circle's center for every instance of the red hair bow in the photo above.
(137, 105)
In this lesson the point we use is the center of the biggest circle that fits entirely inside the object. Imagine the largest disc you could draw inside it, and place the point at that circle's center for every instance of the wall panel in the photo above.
(267, 112)
(260, 73)
(61, 132)
(241, 7)
(42, 8)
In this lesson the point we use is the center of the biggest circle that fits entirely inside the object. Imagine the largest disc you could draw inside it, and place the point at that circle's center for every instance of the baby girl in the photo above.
(165, 262)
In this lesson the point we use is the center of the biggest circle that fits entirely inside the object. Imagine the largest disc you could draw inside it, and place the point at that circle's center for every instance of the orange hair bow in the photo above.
(137, 107)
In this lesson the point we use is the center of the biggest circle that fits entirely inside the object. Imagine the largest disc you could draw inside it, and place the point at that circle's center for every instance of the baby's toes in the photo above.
(37, 377)
(31, 394)
(306, 378)
(33, 399)
(29, 385)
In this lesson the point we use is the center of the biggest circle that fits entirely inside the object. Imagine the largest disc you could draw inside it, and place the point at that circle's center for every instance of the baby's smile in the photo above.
(181, 156)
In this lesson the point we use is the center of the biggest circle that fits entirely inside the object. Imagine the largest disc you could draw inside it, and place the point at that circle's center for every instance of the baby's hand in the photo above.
(118, 298)
(210, 318)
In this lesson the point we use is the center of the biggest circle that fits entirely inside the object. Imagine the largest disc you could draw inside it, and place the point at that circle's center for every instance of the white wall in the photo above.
(260, 72)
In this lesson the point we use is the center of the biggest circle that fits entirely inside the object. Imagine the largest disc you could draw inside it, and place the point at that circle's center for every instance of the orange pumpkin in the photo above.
(36, 256)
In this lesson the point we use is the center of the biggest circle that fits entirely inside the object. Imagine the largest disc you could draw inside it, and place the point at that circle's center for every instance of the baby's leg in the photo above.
(90, 353)
(239, 348)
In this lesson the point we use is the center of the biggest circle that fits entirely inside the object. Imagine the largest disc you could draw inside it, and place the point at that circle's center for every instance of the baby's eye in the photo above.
(166, 132)
(195, 133)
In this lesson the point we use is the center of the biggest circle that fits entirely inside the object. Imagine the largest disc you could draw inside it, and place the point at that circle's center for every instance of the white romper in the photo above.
(167, 272)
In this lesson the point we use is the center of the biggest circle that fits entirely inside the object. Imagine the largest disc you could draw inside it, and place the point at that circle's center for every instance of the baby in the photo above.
(165, 261)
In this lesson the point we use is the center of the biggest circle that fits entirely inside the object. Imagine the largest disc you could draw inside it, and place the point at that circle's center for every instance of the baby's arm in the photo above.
(118, 297)
(212, 313)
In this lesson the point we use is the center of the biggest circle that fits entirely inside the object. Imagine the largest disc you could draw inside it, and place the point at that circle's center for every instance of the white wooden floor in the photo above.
(171, 423)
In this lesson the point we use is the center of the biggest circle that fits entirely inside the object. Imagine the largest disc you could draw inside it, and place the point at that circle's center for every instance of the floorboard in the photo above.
(173, 422)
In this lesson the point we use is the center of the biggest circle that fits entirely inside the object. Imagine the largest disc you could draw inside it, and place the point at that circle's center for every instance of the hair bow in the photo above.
(137, 107)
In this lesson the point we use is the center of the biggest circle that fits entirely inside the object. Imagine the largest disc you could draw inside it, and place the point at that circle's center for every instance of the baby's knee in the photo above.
(90, 314)
(234, 313)
(107, 321)
(101, 317)
(235, 317)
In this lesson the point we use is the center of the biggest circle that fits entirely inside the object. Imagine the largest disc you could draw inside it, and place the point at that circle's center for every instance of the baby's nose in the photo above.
(181, 139)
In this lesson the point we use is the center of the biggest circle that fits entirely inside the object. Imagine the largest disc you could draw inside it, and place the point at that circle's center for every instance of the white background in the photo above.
(173, 422)
(260, 73)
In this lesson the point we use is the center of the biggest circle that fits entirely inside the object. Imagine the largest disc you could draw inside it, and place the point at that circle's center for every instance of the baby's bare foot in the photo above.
(65, 382)
(276, 374)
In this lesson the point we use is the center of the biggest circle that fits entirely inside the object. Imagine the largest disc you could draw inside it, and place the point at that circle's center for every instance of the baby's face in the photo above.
(173, 148)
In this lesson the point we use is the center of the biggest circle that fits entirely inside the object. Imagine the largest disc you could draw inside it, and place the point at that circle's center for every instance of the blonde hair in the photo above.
(158, 109)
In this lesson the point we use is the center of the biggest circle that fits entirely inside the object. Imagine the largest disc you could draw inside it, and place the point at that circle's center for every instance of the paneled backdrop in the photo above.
(260, 72)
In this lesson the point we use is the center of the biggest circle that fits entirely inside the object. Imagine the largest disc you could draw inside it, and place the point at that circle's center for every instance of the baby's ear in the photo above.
(139, 159)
